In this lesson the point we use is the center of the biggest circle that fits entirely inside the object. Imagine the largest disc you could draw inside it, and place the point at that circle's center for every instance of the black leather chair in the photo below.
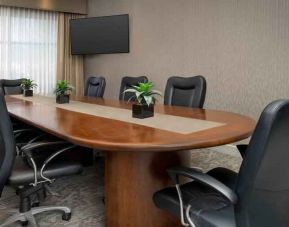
(128, 82)
(185, 91)
(11, 87)
(255, 197)
(95, 87)
(23, 133)
(28, 181)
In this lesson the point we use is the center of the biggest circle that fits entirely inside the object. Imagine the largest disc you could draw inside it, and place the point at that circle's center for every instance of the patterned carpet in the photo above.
(84, 193)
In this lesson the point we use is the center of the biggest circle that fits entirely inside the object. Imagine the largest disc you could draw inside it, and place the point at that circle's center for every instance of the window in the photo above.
(28, 46)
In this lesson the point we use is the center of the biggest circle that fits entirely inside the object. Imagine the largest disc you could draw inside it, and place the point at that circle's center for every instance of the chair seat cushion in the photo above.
(23, 174)
(209, 208)
(212, 210)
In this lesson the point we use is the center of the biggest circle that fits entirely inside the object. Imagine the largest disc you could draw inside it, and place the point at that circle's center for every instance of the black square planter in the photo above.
(61, 99)
(27, 93)
(142, 111)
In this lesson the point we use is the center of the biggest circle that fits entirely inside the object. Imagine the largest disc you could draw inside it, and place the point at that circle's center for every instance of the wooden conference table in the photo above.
(137, 151)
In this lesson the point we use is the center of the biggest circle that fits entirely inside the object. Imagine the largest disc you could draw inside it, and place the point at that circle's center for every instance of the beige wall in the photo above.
(71, 6)
(240, 46)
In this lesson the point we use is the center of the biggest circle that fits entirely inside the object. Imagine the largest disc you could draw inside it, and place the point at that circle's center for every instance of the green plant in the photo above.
(27, 84)
(63, 88)
(144, 93)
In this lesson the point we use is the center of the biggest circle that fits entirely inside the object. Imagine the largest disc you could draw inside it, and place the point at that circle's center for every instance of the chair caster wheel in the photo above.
(66, 216)
(24, 223)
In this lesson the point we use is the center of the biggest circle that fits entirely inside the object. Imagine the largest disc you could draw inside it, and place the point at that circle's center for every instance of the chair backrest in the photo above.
(7, 143)
(128, 82)
(185, 91)
(11, 87)
(263, 180)
(95, 87)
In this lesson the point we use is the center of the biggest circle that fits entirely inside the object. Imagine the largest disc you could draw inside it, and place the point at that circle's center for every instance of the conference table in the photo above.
(137, 151)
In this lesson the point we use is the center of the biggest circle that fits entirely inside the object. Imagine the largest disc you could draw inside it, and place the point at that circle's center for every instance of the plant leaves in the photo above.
(156, 92)
(62, 87)
(144, 93)
(138, 94)
(148, 99)
(130, 90)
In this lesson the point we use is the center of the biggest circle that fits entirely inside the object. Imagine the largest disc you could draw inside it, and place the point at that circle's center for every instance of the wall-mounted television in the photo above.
(100, 35)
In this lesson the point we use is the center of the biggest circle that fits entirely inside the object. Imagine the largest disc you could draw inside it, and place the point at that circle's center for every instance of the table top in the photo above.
(115, 135)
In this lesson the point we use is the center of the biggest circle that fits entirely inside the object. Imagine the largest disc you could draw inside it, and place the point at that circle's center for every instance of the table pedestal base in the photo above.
(131, 178)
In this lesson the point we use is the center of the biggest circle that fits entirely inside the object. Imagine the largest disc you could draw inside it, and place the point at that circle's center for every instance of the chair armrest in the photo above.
(33, 140)
(23, 130)
(203, 178)
(51, 157)
(27, 149)
(19, 132)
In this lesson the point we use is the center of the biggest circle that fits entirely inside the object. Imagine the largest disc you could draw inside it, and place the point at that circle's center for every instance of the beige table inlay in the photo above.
(171, 123)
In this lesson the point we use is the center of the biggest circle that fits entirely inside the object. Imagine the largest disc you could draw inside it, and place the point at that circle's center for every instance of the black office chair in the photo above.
(14, 172)
(23, 133)
(185, 91)
(256, 196)
(11, 87)
(128, 82)
(95, 87)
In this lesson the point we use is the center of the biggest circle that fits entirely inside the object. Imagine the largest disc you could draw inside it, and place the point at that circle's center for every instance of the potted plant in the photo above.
(145, 99)
(62, 91)
(28, 86)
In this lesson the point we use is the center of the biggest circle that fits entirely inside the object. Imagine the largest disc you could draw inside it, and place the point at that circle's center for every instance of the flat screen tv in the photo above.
(100, 35)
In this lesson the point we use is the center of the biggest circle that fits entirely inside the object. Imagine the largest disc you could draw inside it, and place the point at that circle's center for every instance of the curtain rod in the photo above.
(66, 6)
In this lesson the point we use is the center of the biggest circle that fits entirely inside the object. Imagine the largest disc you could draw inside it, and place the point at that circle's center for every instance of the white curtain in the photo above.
(28, 46)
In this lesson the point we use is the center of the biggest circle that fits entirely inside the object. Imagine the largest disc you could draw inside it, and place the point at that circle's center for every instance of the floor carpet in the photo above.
(82, 193)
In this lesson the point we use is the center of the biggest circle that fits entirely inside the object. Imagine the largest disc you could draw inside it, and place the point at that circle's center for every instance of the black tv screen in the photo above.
(100, 35)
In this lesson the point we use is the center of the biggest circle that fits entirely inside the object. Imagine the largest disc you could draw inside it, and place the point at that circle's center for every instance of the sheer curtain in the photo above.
(28, 46)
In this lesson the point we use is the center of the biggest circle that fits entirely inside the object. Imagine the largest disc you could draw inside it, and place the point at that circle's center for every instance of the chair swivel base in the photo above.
(29, 215)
